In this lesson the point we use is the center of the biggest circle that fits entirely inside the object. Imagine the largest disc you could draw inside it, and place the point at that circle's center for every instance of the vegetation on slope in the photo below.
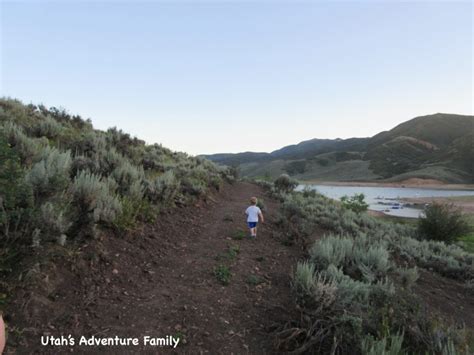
(62, 181)
(355, 290)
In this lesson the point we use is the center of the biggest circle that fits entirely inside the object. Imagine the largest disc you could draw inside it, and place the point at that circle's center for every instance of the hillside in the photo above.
(438, 146)
(64, 182)
(105, 237)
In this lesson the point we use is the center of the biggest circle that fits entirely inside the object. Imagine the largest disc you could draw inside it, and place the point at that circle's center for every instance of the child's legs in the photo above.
(253, 228)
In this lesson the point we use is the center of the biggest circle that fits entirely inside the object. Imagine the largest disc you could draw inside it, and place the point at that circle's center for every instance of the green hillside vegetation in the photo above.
(355, 291)
(62, 181)
(439, 146)
(326, 166)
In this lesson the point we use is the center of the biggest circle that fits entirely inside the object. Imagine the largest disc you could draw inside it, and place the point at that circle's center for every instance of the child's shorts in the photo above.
(252, 224)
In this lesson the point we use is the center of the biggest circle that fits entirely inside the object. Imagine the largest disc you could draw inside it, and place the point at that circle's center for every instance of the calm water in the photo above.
(387, 199)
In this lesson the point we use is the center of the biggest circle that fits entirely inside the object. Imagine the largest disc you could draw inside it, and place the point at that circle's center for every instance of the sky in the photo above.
(231, 76)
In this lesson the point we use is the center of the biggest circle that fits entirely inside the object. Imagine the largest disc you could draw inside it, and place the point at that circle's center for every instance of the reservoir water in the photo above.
(387, 199)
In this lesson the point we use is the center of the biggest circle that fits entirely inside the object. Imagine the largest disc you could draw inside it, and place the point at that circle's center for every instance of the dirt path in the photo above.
(160, 281)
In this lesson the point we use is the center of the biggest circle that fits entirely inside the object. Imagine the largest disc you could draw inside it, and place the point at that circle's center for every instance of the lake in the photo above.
(387, 199)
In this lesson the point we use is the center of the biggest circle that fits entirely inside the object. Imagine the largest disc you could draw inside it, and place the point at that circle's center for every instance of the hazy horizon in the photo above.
(230, 77)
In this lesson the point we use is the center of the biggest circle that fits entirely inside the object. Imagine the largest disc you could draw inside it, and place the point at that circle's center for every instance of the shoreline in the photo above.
(465, 203)
(410, 183)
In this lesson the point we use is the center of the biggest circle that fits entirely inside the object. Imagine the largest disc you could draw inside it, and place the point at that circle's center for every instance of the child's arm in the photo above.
(260, 214)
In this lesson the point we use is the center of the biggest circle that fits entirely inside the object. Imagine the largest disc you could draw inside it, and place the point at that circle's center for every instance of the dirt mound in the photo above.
(446, 298)
(161, 281)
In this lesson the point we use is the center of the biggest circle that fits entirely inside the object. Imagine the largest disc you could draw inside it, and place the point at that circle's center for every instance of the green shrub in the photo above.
(355, 259)
(48, 127)
(111, 160)
(372, 260)
(51, 174)
(129, 179)
(443, 223)
(232, 173)
(131, 210)
(391, 345)
(408, 276)
(284, 183)
(254, 280)
(223, 274)
(154, 158)
(238, 235)
(331, 250)
(232, 252)
(84, 163)
(26, 147)
(192, 186)
(16, 196)
(90, 143)
(163, 188)
(355, 203)
(313, 289)
(216, 182)
(54, 222)
(303, 282)
(94, 199)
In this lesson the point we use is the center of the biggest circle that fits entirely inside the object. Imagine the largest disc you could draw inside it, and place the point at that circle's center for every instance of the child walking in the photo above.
(253, 213)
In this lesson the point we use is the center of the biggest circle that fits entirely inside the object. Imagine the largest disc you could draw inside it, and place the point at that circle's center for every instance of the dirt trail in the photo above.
(159, 281)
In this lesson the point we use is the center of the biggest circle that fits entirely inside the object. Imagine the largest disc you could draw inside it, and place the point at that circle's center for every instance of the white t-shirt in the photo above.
(252, 213)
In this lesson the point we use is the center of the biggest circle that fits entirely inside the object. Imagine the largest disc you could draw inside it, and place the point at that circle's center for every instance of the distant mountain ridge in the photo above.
(438, 146)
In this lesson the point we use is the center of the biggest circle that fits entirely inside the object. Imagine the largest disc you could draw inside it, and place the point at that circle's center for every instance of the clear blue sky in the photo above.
(206, 77)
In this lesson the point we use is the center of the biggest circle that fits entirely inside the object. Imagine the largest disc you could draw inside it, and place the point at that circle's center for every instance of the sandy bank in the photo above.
(418, 183)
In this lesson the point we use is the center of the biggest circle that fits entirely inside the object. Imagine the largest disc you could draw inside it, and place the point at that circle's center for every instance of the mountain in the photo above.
(438, 146)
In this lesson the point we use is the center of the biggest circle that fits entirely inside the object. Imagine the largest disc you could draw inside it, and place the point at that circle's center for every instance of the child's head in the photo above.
(253, 200)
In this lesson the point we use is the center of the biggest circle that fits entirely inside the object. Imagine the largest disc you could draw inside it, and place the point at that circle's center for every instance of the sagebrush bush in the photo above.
(163, 188)
(372, 260)
(54, 222)
(47, 127)
(304, 278)
(216, 182)
(84, 163)
(110, 160)
(51, 173)
(155, 158)
(408, 276)
(26, 147)
(129, 179)
(332, 250)
(94, 199)
(313, 289)
(192, 186)
(370, 299)
(442, 222)
(389, 345)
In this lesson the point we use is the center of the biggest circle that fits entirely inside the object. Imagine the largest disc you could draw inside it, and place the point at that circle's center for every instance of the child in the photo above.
(253, 212)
